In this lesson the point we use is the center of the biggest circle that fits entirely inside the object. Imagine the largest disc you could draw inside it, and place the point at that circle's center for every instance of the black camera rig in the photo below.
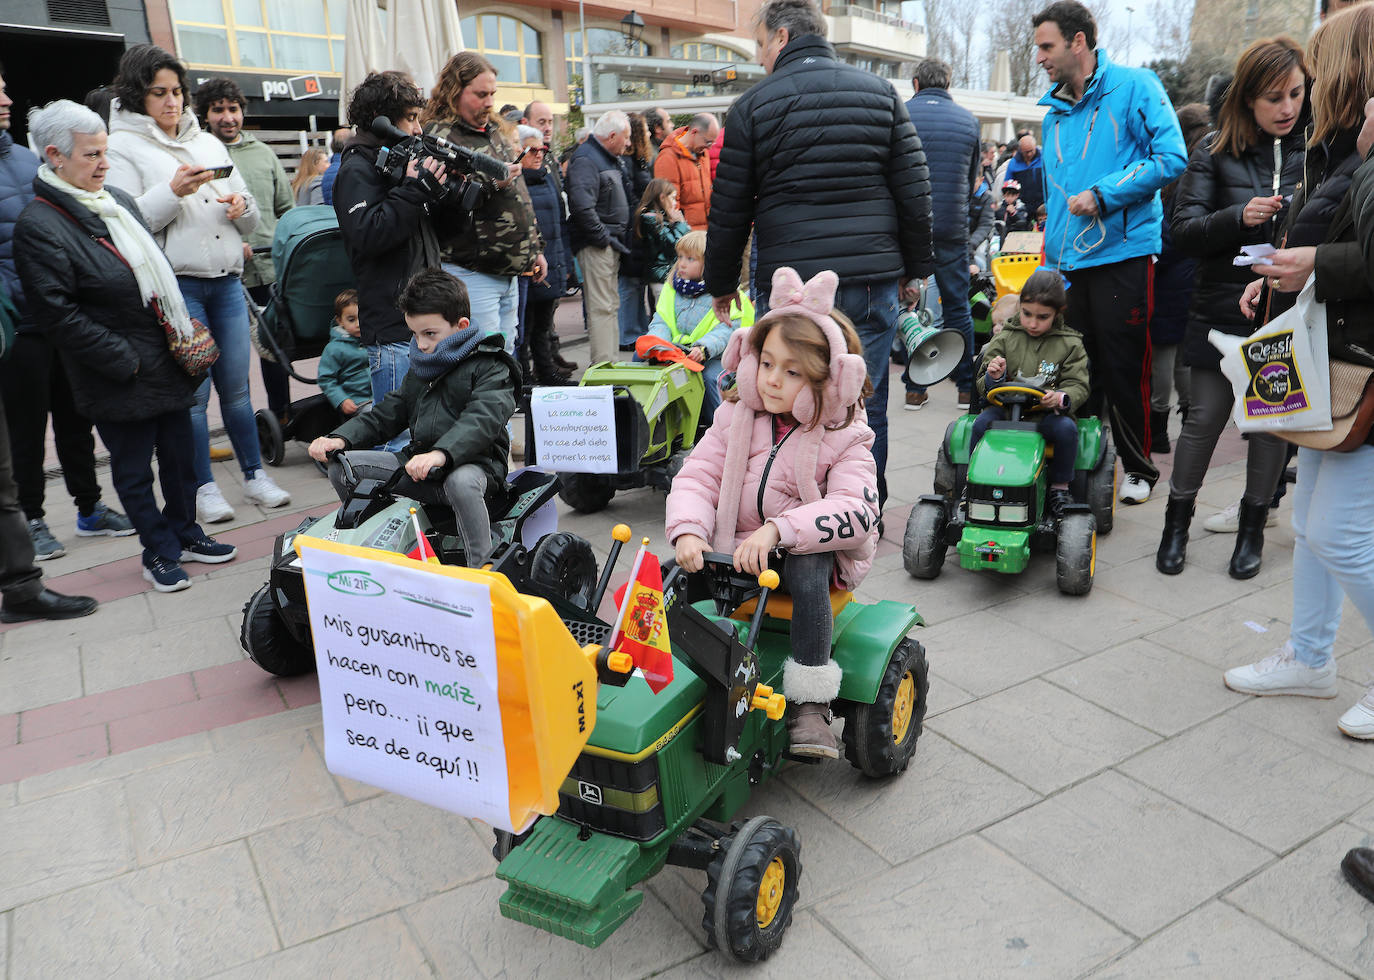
(462, 164)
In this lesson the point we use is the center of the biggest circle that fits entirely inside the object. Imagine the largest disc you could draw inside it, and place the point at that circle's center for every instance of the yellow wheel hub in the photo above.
(770, 893)
(902, 707)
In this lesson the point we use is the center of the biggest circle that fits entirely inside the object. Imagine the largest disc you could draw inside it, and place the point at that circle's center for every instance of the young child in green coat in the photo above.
(344, 375)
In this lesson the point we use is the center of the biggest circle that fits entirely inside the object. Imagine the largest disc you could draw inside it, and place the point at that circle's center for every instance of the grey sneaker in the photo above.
(45, 546)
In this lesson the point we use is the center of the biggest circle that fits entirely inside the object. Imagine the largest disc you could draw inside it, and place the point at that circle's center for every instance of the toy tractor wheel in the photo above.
(265, 637)
(1102, 490)
(1076, 554)
(586, 493)
(270, 439)
(564, 564)
(880, 738)
(751, 890)
(924, 547)
(945, 475)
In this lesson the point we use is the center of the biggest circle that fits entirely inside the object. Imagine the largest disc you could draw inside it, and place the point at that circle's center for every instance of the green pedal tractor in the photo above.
(663, 775)
(991, 504)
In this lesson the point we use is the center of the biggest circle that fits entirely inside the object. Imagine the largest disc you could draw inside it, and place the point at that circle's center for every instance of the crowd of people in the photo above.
(776, 251)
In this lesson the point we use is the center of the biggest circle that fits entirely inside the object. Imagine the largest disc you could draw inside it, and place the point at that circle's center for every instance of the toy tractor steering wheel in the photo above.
(1023, 391)
(719, 581)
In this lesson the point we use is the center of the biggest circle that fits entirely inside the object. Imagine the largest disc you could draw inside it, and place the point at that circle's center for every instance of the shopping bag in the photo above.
(1279, 373)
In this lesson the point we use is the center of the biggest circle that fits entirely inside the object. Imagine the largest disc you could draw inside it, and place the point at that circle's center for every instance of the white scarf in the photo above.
(150, 267)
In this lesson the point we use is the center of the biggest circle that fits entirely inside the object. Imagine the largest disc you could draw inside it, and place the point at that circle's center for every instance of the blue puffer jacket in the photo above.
(548, 212)
(1121, 141)
(18, 167)
(949, 135)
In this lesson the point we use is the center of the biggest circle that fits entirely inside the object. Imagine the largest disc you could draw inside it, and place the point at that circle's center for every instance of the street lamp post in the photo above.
(586, 55)
(1130, 16)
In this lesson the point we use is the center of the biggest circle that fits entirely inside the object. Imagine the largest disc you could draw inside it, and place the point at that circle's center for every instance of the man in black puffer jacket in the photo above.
(822, 159)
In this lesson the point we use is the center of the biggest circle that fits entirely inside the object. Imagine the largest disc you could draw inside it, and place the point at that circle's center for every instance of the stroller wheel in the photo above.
(270, 440)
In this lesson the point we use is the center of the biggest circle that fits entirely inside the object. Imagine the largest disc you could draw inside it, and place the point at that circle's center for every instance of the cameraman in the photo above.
(387, 225)
(501, 240)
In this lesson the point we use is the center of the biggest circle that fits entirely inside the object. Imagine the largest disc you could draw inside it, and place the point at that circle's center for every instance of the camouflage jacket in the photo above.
(502, 238)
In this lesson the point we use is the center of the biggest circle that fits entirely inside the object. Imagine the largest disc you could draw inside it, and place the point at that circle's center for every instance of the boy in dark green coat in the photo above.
(1036, 341)
(456, 399)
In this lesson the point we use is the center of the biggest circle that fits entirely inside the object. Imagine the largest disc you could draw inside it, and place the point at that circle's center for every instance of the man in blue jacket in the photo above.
(1111, 142)
(950, 137)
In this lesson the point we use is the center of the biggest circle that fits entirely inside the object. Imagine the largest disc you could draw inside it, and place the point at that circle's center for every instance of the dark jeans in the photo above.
(951, 279)
(806, 578)
(1208, 412)
(132, 445)
(872, 307)
(20, 579)
(274, 377)
(1059, 431)
(34, 386)
(1110, 306)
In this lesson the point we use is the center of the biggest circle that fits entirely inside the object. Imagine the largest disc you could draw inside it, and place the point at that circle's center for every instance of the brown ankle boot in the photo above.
(808, 731)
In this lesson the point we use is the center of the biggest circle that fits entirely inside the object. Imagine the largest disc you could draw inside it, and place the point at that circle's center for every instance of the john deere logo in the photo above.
(997, 495)
(356, 583)
(589, 792)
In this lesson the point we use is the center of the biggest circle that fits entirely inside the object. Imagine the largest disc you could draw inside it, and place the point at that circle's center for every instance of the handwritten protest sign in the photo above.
(408, 680)
(574, 428)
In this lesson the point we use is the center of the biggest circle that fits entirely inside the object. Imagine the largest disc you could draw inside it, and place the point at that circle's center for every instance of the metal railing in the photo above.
(838, 10)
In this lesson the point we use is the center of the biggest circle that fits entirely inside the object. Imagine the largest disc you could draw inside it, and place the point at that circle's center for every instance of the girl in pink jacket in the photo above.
(788, 464)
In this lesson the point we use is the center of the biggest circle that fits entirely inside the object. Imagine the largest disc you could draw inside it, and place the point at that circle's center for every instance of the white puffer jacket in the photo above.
(193, 230)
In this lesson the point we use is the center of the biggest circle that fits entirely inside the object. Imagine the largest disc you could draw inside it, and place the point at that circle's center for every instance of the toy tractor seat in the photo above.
(780, 605)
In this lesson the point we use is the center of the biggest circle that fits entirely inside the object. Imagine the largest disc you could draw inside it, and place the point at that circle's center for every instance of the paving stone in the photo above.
(1226, 637)
(382, 947)
(310, 868)
(978, 654)
(350, 789)
(1197, 589)
(1042, 735)
(1311, 722)
(53, 845)
(1217, 940)
(113, 767)
(1212, 552)
(294, 719)
(464, 935)
(5, 944)
(158, 653)
(232, 586)
(1135, 856)
(181, 918)
(808, 950)
(944, 696)
(195, 804)
(120, 617)
(1304, 897)
(1148, 684)
(1091, 623)
(954, 594)
(977, 912)
(1271, 790)
(33, 676)
(945, 792)
(1277, 600)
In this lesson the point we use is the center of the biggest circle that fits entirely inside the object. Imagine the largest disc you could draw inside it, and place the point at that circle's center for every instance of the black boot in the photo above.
(1159, 431)
(1245, 560)
(1173, 545)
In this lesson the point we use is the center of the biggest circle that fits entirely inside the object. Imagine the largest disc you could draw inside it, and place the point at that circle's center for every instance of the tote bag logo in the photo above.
(1276, 386)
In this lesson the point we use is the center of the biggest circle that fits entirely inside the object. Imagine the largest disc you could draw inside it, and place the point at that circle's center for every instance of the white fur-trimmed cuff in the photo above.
(810, 685)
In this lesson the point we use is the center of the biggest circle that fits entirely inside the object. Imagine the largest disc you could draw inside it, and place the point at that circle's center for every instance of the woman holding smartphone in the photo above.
(160, 156)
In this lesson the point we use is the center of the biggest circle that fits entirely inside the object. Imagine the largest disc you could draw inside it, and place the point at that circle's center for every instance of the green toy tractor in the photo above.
(657, 417)
(663, 775)
(991, 503)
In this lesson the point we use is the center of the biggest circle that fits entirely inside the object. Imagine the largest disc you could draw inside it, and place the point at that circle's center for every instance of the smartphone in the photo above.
(219, 173)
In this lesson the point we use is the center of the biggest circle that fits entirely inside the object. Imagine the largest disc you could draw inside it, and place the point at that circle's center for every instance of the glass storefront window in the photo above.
(512, 46)
(285, 35)
(254, 51)
(704, 51)
(205, 45)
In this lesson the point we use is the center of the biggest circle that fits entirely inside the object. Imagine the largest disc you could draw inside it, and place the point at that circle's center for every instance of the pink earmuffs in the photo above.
(813, 300)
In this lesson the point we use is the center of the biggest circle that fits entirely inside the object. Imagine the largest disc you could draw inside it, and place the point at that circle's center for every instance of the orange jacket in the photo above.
(690, 174)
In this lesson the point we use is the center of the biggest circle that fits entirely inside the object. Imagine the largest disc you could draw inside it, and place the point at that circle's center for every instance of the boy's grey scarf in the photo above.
(446, 355)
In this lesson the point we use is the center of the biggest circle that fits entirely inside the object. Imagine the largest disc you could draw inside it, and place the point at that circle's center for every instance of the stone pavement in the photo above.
(1087, 799)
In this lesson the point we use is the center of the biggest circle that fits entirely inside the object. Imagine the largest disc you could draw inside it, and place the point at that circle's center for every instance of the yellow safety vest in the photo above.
(667, 310)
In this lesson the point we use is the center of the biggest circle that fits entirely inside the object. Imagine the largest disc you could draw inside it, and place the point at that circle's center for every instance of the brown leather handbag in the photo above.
(1352, 411)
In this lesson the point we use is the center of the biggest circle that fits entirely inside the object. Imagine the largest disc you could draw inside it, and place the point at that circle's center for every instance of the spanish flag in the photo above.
(422, 551)
(642, 625)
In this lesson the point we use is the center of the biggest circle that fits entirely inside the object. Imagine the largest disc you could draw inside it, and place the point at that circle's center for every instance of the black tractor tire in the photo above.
(585, 493)
(1102, 489)
(564, 564)
(758, 865)
(880, 738)
(1075, 554)
(270, 439)
(267, 641)
(924, 546)
(946, 477)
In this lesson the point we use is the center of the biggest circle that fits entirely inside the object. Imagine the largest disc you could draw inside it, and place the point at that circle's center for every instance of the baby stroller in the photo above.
(312, 268)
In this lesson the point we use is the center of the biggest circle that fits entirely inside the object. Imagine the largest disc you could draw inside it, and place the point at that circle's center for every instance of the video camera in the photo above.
(400, 148)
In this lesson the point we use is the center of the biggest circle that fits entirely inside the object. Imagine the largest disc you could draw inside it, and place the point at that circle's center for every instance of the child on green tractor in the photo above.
(457, 396)
(788, 464)
(1037, 341)
(684, 317)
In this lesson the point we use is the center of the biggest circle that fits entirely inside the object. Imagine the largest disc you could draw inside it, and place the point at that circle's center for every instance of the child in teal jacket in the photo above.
(344, 375)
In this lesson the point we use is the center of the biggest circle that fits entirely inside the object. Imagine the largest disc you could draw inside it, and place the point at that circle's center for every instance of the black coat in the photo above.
(949, 137)
(548, 211)
(1345, 272)
(599, 192)
(1209, 206)
(388, 235)
(822, 159)
(86, 300)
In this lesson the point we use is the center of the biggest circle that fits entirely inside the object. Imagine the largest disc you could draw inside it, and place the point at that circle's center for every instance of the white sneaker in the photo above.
(211, 507)
(1134, 489)
(1358, 722)
(1281, 673)
(1228, 520)
(259, 489)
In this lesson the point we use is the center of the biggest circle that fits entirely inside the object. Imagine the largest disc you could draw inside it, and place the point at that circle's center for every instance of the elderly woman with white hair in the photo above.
(96, 281)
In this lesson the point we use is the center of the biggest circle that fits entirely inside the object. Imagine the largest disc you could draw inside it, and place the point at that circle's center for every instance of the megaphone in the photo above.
(932, 354)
